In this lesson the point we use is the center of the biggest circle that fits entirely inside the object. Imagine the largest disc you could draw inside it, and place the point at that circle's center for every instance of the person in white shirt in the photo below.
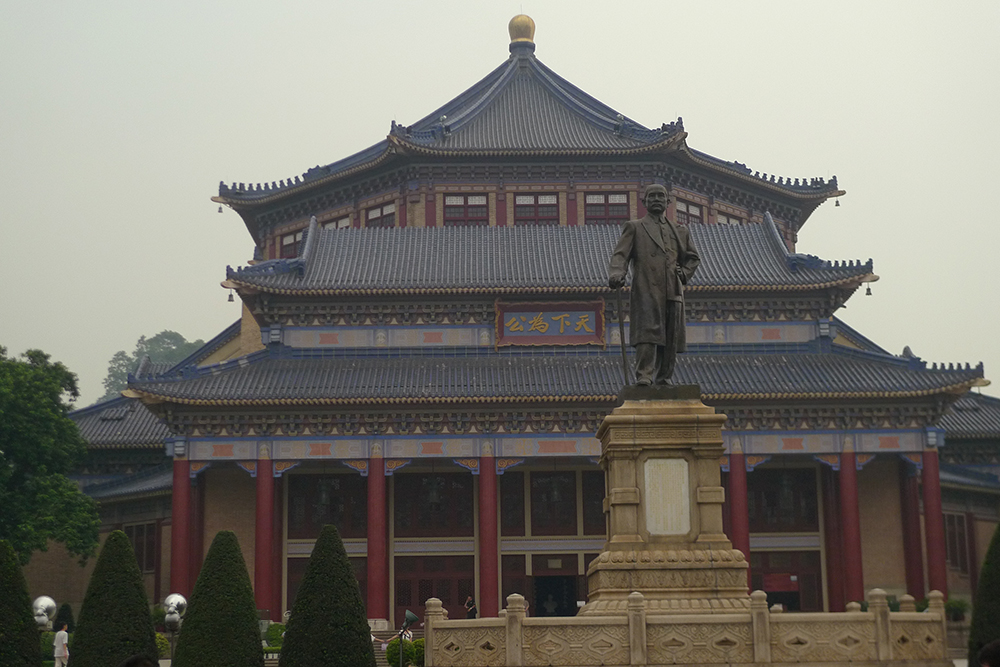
(61, 644)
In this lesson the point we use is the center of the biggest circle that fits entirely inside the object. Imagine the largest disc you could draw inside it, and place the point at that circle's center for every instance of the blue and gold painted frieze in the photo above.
(535, 324)
(306, 449)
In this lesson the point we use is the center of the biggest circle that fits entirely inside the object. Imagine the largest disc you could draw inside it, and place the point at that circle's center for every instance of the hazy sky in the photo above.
(119, 119)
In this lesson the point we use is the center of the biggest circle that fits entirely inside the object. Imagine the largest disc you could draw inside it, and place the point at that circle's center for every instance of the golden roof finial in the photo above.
(521, 29)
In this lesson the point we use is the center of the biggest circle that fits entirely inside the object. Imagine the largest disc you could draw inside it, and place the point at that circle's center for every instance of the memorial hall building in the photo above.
(428, 345)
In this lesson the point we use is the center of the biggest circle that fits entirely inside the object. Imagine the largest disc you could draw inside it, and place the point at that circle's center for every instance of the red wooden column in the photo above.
(850, 517)
(180, 529)
(277, 551)
(488, 547)
(937, 567)
(378, 551)
(909, 501)
(833, 541)
(739, 517)
(263, 569)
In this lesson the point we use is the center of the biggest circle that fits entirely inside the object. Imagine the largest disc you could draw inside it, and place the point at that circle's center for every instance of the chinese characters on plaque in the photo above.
(550, 323)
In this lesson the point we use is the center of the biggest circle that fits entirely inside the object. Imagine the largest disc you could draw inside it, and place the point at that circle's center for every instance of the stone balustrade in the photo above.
(762, 636)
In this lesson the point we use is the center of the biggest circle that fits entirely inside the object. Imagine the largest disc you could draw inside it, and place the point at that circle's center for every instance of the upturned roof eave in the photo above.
(252, 288)
(667, 145)
(817, 196)
(159, 399)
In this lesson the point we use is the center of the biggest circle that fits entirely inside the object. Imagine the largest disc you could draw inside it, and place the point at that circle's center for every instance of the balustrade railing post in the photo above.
(515, 629)
(761, 618)
(878, 606)
(935, 604)
(637, 628)
(433, 613)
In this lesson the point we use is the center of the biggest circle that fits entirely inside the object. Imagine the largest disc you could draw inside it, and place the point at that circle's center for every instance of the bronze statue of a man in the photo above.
(663, 260)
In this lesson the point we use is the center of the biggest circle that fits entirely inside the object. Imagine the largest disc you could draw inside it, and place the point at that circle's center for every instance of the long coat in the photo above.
(662, 263)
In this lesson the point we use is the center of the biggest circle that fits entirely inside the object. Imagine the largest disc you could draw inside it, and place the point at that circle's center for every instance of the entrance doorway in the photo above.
(554, 596)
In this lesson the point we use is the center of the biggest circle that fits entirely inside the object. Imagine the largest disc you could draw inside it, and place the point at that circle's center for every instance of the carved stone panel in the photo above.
(470, 647)
(823, 639)
(699, 643)
(576, 645)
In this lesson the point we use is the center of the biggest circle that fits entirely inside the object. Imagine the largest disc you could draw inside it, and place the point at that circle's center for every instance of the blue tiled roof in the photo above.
(153, 481)
(520, 108)
(727, 373)
(120, 423)
(974, 416)
(535, 258)
(953, 475)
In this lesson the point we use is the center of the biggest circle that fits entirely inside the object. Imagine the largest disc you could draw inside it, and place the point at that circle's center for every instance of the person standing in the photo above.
(61, 644)
(470, 608)
(663, 259)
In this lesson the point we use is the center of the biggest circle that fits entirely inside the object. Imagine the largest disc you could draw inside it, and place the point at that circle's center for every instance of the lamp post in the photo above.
(408, 619)
(175, 605)
(43, 608)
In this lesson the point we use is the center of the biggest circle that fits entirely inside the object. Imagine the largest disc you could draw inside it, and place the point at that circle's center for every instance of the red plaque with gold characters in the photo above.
(550, 323)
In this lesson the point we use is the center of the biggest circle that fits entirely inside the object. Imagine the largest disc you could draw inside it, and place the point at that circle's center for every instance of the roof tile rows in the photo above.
(521, 107)
(155, 480)
(119, 423)
(530, 258)
(788, 373)
(974, 416)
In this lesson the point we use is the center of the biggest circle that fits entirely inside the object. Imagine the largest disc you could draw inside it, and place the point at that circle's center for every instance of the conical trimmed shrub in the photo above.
(18, 632)
(114, 620)
(221, 627)
(64, 615)
(985, 626)
(329, 626)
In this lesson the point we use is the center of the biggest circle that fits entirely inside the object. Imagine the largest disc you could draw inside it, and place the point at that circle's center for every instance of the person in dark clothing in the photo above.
(470, 608)
(989, 655)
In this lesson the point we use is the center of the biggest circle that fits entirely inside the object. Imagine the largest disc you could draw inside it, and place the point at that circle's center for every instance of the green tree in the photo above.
(114, 619)
(985, 625)
(329, 625)
(65, 615)
(39, 446)
(166, 347)
(221, 628)
(18, 632)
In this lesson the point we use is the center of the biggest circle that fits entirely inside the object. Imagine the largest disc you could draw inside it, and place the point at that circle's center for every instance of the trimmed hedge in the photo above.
(392, 652)
(65, 615)
(18, 632)
(114, 620)
(328, 626)
(273, 634)
(418, 653)
(985, 626)
(163, 645)
(221, 627)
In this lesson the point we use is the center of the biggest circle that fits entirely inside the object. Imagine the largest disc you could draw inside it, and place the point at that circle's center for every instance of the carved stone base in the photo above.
(673, 581)
(660, 450)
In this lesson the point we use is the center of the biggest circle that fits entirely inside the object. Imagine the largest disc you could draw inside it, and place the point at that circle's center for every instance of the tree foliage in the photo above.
(329, 626)
(18, 632)
(166, 346)
(39, 446)
(114, 619)
(221, 627)
(985, 625)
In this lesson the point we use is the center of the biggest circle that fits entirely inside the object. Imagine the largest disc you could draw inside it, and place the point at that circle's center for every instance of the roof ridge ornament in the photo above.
(522, 35)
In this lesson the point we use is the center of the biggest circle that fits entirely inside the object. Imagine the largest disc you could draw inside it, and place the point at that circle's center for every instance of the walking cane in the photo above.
(621, 332)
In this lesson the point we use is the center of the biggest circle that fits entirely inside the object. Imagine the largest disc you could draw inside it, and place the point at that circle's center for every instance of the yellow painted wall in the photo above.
(229, 505)
(881, 528)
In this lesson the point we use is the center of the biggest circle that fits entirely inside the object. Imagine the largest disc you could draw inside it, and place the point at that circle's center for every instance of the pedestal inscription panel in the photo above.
(668, 509)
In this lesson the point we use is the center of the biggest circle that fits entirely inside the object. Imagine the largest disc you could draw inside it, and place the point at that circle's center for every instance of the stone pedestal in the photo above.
(660, 452)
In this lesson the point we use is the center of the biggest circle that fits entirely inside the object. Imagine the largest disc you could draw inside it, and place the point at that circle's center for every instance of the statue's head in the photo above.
(654, 198)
